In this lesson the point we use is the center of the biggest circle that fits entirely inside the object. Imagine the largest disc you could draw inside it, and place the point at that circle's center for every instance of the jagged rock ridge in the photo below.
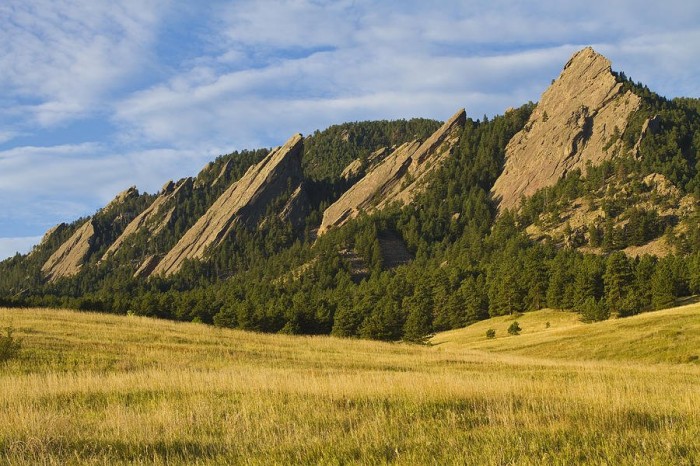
(579, 118)
(244, 202)
(69, 258)
(398, 177)
(156, 216)
(359, 167)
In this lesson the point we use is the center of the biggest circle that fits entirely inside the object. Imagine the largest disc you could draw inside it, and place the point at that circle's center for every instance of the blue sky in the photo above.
(101, 95)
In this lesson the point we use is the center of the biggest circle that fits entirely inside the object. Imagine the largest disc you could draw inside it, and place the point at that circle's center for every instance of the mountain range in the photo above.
(587, 200)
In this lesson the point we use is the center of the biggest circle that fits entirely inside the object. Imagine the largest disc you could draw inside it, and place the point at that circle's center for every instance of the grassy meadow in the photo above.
(102, 389)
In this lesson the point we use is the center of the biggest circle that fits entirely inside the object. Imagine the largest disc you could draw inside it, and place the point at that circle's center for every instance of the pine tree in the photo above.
(662, 289)
(617, 279)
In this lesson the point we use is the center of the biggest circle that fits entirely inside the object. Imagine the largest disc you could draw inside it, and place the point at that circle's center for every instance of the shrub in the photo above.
(490, 333)
(9, 345)
(514, 328)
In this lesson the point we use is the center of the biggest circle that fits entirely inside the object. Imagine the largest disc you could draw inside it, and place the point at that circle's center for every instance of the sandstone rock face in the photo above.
(357, 167)
(68, 259)
(297, 207)
(156, 216)
(47, 236)
(146, 267)
(398, 177)
(577, 120)
(244, 202)
(70, 256)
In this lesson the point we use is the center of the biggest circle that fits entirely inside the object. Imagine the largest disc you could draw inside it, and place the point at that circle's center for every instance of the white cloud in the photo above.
(294, 66)
(61, 58)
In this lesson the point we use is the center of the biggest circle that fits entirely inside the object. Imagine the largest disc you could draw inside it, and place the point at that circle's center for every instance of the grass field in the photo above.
(101, 389)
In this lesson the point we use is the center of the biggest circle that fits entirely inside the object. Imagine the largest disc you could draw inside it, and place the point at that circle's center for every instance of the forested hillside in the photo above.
(615, 235)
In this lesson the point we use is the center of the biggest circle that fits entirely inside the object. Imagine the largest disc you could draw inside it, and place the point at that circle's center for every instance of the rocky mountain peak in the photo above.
(579, 118)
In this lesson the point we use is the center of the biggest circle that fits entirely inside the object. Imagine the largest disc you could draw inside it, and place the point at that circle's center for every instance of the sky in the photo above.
(101, 95)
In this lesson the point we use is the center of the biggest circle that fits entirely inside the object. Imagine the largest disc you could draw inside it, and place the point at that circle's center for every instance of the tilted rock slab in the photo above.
(578, 119)
(67, 260)
(156, 216)
(244, 202)
(355, 168)
(398, 177)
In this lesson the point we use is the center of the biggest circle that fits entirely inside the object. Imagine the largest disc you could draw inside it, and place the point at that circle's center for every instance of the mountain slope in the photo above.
(412, 239)
(156, 216)
(70, 257)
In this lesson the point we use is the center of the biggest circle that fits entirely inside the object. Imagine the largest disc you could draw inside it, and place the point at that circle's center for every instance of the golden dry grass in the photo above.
(100, 389)
(670, 336)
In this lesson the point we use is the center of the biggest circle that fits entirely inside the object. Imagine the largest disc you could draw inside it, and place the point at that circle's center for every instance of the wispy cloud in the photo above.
(60, 59)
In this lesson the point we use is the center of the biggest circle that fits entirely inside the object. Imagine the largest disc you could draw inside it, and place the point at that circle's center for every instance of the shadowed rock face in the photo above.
(398, 177)
(156, 216)
(244, 202)
(578, 119)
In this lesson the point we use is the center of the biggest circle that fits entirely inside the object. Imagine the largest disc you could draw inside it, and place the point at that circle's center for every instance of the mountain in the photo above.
(156, 216)
(70, 256)
(578, 120)
(587, 201)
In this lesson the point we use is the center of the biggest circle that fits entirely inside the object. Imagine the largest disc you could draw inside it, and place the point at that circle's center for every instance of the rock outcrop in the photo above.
(156, 216)
(71, 255)
(579, 118)
(398, 177)
(297, 207)
(244, 203)
(46, 239)
(359, 167)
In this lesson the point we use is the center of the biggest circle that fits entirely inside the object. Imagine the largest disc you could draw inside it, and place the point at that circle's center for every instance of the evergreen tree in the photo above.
(617, 279)
(662, 287)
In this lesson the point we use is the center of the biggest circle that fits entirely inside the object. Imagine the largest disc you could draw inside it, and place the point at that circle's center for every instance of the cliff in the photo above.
(579, 119)
(244, 202)
(71, 255)
(156, 216)
(398, 177)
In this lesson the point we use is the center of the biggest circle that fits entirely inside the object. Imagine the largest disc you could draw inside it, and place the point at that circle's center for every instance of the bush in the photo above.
(514, 328)
(490, 333)
(9, 345)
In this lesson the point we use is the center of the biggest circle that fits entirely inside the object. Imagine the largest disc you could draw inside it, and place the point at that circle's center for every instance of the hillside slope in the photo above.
(670, 336)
